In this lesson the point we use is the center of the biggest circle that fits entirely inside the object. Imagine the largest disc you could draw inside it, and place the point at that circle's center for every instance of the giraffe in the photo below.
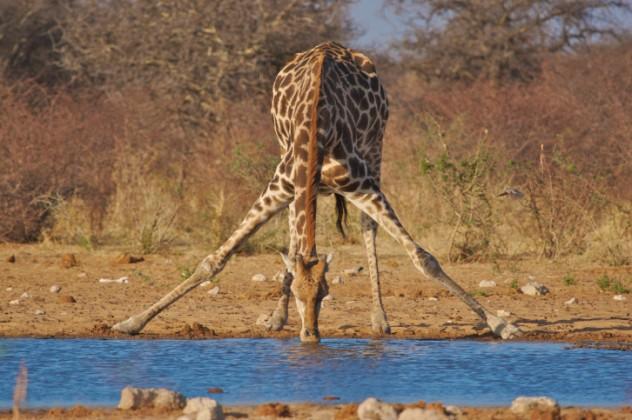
(329, 110)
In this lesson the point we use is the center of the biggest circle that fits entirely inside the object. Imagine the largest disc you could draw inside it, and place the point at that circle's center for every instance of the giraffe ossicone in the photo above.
(329, 110)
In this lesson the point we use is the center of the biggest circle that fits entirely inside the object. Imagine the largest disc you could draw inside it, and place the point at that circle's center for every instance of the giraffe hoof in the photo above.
(501, 328)
(380, 325)
(129, 326)
(277, 322)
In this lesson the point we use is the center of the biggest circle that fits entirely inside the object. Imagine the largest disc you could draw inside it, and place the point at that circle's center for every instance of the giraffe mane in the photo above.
(311, 189)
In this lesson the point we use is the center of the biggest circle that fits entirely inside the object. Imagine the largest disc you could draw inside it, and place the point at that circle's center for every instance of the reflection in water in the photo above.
(67, 372)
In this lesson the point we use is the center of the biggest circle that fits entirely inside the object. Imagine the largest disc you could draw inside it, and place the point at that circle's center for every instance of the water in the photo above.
(92, 372)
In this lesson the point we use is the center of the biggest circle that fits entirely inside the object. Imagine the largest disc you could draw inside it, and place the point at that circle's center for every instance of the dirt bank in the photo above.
(416, 307)
(314, 411)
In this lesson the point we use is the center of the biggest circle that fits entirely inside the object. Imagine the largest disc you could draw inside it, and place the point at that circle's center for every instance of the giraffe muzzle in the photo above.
(309, 335)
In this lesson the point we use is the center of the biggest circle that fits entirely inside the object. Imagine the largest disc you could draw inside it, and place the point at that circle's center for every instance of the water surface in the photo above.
(64, 372)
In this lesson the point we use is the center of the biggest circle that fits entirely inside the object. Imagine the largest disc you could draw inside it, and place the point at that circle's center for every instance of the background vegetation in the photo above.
(146, 125)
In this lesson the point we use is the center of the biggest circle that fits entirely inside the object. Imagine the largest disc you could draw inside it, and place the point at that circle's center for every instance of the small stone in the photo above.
(279, 277)
(422, 414)
(135, 398)
(69, 261)
(453, 410)
(274, 410)
(11, 259)
(25, 295)
(82, 275)
(67, 299)
(372, 409)
(337, 280)
(571, 301)
(120, 280)
(533, 288)
(433, 299)
(259, 277)
(502, 313)
(353, 271)
(524, 405)
(39, 312)
(128, 259)
(55, 288)
(214, 291)
(205, 283)
(208, 407)
(14, 302)
(8, 289)
(487, 283)
(619, 297)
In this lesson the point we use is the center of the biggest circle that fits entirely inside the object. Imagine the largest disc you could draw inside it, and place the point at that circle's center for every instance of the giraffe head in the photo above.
(309, 287)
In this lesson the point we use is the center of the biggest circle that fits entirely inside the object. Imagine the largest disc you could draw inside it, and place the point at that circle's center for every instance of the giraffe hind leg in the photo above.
(374, 203)
(379, 322)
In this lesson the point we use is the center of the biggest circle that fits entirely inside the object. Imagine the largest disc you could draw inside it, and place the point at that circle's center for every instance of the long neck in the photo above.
(313, 170)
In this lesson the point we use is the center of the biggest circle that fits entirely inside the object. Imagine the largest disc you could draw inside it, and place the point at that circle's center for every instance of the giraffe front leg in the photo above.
(280, 315)
(271, 201)
(374, 203)
(379, 323)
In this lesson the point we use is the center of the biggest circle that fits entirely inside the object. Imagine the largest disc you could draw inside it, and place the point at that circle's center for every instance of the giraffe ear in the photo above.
(287, 261)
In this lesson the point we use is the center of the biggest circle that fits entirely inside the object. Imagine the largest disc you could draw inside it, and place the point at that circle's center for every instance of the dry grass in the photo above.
(120, 169)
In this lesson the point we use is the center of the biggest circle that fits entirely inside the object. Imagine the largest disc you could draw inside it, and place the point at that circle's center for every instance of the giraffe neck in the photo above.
(312, 178)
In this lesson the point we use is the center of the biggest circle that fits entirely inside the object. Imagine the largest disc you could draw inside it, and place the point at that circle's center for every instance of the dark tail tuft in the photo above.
(341, 214)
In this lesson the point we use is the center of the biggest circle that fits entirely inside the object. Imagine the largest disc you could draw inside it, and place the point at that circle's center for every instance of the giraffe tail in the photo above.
(341, 215)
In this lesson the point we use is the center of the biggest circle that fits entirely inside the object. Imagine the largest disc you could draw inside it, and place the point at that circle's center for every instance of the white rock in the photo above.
(353, 271)
(25, 295)
(15, 302)
(502, 313)
(433, 299)
(135, 398)
(487, 283)
(337, 280)
(82, 275)
(205, 283)
(259, 277)
(214, 291)
(571, 301)
(278, 277)
(619, 297)
(39, 312)
(206, 408)
(8, 289)
(421, 414)
(372, 409)
(120, 280)
(453, 410)
(55, 288)
(523, 405)
(533, 288)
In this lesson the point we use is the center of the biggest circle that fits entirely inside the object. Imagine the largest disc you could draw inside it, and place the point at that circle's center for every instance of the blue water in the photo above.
(92, 372)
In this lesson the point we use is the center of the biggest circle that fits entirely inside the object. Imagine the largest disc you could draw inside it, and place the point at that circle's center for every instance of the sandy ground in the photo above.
(416, 307)
(321, 412)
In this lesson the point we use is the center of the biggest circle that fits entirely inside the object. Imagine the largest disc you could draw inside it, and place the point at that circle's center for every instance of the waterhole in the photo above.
(65, 372)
